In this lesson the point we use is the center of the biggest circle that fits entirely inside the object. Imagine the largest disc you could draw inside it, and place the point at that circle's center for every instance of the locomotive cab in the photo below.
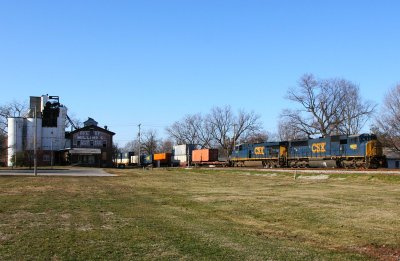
(373, 151)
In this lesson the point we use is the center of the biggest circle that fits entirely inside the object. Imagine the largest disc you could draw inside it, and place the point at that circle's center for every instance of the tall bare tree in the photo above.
(388, 122)
(256, 137)
(356, 112)
(132, 146)
(331, 106)
(192, 129)
(229, 128)
(72, 121)
(287, 130)
(221, 127)
(166, 145)
(150, 142)
(161, 145)
(222, 120)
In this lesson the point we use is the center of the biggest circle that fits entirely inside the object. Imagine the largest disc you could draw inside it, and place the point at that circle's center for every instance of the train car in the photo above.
(182, 154)
(124, 159)
(354, 151)
(162, 159)
(146, 160)
(269, 154)
(207, 157)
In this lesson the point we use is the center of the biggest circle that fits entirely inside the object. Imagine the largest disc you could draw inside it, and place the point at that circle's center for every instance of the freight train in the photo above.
(339, 151)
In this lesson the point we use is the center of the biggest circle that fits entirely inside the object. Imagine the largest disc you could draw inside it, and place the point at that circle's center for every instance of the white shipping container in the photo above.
(135, 159)
(180, 160)
(180, 150)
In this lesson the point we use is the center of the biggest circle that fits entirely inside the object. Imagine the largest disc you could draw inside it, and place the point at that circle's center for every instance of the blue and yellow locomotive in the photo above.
(354, 151)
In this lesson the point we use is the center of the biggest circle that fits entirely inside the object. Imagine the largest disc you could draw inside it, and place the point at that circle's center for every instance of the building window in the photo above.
(46, 157)
(91, 132)
(91, 143)
(397, 164)
(104, 144)
(78, 143)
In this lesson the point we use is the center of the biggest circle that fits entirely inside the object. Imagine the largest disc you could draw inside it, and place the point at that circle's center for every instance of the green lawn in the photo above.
(200, 215)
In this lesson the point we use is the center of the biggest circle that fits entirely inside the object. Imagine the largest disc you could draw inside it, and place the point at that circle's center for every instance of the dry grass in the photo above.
(200, 214)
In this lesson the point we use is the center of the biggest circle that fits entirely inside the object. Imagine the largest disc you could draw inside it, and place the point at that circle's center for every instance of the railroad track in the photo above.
(323, 170)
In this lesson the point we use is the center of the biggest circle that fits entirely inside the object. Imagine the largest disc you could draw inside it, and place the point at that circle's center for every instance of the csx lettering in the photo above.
(259, 150)
(318, 147)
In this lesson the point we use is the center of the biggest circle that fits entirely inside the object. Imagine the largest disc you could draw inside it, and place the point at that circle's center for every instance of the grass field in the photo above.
(200, 215)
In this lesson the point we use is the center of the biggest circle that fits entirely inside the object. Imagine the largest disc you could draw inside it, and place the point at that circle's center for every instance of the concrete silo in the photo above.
(15, 138)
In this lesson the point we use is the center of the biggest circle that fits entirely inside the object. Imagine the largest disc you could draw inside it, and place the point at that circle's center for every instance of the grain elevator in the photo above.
(49, 117)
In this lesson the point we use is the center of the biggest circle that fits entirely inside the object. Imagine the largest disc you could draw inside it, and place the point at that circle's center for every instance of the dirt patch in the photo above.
(86, 227)
(318, 177)
(383, 253)
(267, 175)
(4, 237)
(260, 175)
(65, 216)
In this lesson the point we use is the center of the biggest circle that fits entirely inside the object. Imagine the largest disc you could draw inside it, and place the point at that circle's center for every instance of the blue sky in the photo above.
(152, 62)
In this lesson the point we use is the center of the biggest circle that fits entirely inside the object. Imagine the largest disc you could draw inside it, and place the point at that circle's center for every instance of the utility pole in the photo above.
(15, 144)
(139, 145)
(188, 155)
(51, 150)
(234, 135)
(34, 146)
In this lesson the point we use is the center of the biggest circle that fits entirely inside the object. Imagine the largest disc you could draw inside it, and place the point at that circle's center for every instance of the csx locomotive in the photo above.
(343, 151)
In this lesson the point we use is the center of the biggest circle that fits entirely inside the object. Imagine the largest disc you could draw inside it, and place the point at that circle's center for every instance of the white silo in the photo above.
(15, 137)
(30, 133)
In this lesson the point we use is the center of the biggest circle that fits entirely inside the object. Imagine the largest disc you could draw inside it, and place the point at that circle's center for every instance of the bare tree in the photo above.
(388, 122)
(186, 130)
(332, 106)
(356, 112)
(228, 128)
(256, 137)
(166, 145)
(132, 146)
(247, 125)
(222, 120)
(74, 121)
(150, 142)
(220, 128)
(192, 129)
(287, 130)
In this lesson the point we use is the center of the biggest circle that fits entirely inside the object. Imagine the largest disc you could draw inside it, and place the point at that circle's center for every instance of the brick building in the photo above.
(91, 145)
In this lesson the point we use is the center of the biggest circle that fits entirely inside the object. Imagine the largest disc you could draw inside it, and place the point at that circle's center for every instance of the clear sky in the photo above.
(152, 62)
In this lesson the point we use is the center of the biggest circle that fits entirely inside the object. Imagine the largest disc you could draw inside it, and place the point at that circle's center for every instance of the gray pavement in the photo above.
(72, 172)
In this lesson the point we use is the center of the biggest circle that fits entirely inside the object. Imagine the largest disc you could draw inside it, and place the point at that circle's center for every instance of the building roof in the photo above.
(391, 154)
(93, 127)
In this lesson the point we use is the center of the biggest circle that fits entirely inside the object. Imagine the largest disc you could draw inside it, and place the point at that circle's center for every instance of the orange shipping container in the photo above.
(205, 155)
(162, 156)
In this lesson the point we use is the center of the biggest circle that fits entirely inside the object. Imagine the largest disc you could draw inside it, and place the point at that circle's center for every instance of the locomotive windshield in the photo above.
(367, 137)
